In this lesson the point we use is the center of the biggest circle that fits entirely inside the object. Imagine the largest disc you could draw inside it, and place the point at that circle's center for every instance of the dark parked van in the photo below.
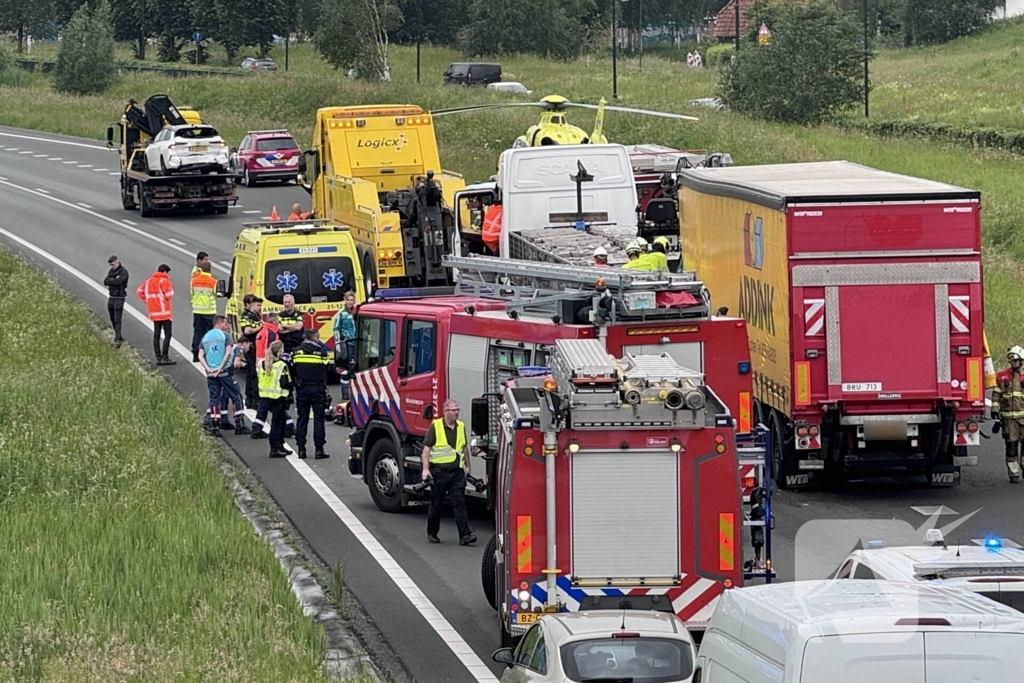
(472, 73)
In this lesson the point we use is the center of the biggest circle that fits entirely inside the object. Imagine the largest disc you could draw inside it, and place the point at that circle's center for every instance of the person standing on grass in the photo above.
(116, 283)
(201, 258)
(275, 382)
(157, 291)
(203, 289)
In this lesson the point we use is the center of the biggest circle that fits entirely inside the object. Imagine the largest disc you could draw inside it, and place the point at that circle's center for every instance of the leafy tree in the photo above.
(173, 21)
(551, 28)
(810, 72)
(6, 58)
(354, 34)
(21, 16)
(248, 22)
(85, 62)
(435, 22)
(938, 21)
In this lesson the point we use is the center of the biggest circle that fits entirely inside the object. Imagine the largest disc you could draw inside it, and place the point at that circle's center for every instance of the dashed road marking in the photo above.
(85, 166)
(98, 170)
(26, 152)
(929, 510)
(39, 189)
(70, 162)
(55, 159)
(12, 149)
(115, 173)
(178, 242)
(459, 647)
(251, 211)
(38, 156)
(84, 206)
(129, 222)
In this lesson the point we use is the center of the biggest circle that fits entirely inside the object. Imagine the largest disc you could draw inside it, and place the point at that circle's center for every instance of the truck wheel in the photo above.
(488, 572)
(369, 275)
(385, 476)
(127, 198)
(221, 210)
(780, 470)
(147, 210)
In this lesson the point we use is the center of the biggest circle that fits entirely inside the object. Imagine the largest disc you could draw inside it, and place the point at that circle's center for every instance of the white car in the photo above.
(988, 568)
(187, 148)
(509, 86)
(613, 645)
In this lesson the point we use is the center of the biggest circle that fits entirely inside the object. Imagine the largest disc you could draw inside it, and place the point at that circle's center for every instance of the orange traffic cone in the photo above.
(273, 214)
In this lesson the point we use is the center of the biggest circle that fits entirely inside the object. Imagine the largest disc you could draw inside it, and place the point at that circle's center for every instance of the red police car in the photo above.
(266, 155)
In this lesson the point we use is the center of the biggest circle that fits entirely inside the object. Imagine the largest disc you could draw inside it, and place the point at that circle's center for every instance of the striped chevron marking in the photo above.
(375, 385)
(960, 313)
(814, 317)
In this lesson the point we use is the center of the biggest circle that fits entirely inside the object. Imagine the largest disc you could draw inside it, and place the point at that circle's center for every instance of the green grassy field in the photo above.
(124, 556)
(471, 143)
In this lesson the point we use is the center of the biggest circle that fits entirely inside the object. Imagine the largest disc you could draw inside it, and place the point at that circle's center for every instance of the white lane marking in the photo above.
(98, 170)
(113, 174)
(55, 159)
(84, 206)
(38, 156)
(70, 162)
(929, 510)
(143, 233)
(2, 178)
(251, 211)
(129, 222)
(56, 142)
(39, 189)
(12, 149)
(459, 647)
(26, 152)
(178, 242)
(85, 166)
(225, 264)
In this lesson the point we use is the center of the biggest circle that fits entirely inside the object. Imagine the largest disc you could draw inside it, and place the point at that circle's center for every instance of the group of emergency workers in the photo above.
(642, 255)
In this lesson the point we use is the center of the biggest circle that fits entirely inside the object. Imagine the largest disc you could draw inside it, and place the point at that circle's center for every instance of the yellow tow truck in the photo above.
(376, 169)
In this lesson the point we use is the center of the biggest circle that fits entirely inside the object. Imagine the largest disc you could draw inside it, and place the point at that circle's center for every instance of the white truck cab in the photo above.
(986, 566)
(856, 631)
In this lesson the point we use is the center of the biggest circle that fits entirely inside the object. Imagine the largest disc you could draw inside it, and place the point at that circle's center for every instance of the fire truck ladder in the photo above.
(542, 287)
(753, 450)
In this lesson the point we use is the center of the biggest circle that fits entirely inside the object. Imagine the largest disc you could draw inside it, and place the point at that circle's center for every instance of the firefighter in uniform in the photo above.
(446, 464)
(309, 363)
(1008, 409)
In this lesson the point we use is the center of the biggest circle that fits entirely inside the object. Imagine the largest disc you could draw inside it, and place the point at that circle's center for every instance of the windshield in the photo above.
(275, 144)
(458, 69)
(641, 660)
(196, 133)
(317, 280)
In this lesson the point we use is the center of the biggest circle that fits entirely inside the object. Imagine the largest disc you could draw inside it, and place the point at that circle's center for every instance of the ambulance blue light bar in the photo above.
(412, 292)
(993, 542)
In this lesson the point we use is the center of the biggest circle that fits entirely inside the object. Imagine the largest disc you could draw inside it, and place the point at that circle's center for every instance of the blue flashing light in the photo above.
(744, 367)
(993, 542)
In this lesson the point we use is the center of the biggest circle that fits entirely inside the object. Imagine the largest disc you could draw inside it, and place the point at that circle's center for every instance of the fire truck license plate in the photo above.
(526, 617)
(198, 148)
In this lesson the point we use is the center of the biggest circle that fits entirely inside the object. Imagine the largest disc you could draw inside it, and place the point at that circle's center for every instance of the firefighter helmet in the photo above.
(1015, 353)
(641, 243)
(632, 248)
(662, 240)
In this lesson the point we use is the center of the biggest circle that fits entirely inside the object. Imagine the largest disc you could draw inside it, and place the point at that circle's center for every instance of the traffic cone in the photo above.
(273, 214)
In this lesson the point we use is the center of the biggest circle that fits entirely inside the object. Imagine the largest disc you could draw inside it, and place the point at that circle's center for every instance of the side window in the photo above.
(862, 571)
(844, 571)
(540, 657)
(528, 647)
(420, 347)
(375, 342)
(246, 143)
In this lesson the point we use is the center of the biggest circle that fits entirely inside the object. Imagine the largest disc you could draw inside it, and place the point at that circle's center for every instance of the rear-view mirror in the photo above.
(480, 416)
(503, 656)
(222, 288)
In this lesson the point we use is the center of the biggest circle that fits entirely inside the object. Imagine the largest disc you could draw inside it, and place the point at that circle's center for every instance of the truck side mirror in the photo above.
(222, 288)
(428, 412)
(722, 311)
(302, 164)
(480, 420)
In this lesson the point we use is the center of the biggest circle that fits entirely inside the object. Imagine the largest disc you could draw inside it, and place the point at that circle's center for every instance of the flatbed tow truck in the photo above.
(141, 188)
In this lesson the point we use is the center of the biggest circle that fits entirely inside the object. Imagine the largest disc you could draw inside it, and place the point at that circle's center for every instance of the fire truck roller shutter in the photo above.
(467, 365)
(630, 529)
(689, 354)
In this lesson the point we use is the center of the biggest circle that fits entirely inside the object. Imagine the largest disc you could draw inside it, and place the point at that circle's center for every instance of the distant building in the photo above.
(723, 26)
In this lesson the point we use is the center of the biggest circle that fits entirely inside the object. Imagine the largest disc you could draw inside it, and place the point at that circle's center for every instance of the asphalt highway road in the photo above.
(60, 208)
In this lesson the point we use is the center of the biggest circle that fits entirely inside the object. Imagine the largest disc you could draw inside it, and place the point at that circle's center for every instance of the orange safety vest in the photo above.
(299, 216)
(157, 292)
(492, 228)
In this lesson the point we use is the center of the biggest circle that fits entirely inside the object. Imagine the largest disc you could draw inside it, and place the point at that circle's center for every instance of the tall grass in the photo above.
(123, 555)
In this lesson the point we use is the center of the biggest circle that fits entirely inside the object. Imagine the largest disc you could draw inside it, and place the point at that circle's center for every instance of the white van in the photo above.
(860, 632)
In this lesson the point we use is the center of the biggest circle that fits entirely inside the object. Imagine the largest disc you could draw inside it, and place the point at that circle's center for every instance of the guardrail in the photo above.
(48, 66)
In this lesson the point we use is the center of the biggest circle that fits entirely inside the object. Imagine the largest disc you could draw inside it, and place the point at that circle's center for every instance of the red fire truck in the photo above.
(641, 508)
(417, 348)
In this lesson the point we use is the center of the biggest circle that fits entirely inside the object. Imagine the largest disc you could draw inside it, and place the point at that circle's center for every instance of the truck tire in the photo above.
(780, 468)
(385, 476)
(489, 572)
(369, 274)
(146, 210)
(127, 197)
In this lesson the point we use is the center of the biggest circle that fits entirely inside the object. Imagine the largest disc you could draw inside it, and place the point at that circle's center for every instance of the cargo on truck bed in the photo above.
(862, 291)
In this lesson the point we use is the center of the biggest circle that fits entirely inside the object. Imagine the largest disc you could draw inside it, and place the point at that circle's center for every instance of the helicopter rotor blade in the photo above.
(628, 110)
(481, 107)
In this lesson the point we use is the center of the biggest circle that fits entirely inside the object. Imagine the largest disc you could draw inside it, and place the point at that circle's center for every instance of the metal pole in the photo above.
(287, 37)
(615, 54)
(418, 41)
(737, 25)
(865, 58)
(641, 35)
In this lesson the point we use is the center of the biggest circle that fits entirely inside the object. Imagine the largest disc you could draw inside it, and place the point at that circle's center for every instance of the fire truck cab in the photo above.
(617, 488)
(416, 348)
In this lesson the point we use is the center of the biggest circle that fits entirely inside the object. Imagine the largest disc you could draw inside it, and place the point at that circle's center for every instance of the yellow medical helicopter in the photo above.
(553, 129)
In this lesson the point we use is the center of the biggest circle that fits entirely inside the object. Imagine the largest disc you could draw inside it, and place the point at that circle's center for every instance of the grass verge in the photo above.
(124, 557)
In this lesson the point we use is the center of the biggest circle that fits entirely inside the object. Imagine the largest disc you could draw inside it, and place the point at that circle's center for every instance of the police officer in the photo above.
(290, 325)
(274, 384)
(252, 322)
(446, 463)
(309, 363)
(1008, 409)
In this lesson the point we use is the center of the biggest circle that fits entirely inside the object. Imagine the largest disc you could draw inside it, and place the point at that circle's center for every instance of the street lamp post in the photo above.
(615, 53)
(641, 35)
(865, 58)
(737, 3)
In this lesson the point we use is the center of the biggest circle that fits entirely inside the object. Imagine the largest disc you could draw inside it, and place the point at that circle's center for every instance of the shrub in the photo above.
(809, 73)
(719, 55)
(939, 21)
(6, 58)
(85, 62)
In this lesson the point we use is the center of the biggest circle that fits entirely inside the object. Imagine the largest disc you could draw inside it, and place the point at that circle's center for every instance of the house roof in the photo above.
(724, 24)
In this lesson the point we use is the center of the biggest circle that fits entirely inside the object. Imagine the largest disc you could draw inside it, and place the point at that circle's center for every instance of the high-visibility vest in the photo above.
(492, 228)
(270, 382)
(640, 263)
(204, 294)
(441, 453)
(658, 260)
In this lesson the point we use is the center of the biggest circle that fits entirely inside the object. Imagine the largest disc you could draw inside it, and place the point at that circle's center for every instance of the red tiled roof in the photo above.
(724, 24)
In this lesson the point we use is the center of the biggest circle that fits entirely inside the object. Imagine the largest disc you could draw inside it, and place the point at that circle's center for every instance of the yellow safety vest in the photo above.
(441, 453)
(658, 260)
(640, 263)
(270, 382)
(203, 288)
